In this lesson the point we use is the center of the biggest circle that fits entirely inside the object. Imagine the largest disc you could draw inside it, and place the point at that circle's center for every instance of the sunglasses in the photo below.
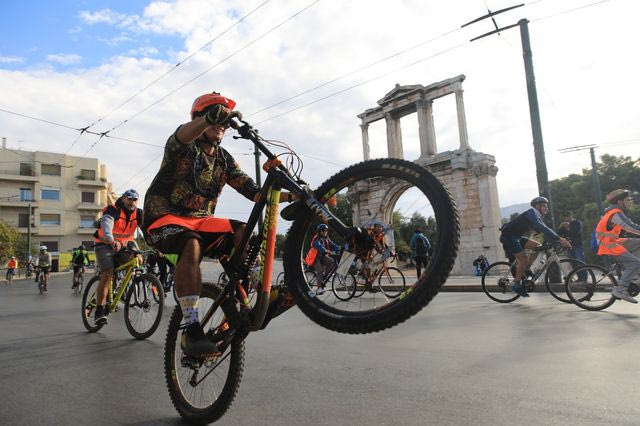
(132, 199)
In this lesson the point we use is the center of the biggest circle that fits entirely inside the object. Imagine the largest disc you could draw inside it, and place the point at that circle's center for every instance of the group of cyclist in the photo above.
(614, 232)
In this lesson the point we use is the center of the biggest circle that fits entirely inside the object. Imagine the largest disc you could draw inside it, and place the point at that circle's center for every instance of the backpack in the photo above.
(421, 246)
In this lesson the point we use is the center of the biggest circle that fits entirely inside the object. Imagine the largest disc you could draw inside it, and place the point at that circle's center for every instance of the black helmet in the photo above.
(617, 194)
(539, 200)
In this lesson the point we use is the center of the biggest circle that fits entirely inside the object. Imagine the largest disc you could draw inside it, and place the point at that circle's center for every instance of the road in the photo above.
(462, 360)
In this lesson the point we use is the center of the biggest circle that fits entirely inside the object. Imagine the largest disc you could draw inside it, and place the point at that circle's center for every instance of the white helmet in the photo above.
(43, 247)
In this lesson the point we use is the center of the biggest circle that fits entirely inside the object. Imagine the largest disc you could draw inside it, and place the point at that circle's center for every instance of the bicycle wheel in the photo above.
(392, 282)
(554, 278)
(222, 279)
(80, 284)
(89, 305)
(343, 286)
(367, 193)
(497, 281)
(589, 287)
(203, 390)
(280, 279)
(143, 306)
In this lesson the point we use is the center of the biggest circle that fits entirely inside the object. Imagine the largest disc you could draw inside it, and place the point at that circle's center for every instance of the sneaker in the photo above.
(194, 342)
(622, 293)
(519, 289)
(100, 317)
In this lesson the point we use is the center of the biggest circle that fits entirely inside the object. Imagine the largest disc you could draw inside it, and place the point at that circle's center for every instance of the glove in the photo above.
(217, 115)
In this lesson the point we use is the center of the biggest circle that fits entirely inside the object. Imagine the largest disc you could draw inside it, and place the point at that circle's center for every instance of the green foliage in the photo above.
(9, 239)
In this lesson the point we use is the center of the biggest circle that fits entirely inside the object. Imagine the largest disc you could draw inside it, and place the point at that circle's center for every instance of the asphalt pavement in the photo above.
(462, 360)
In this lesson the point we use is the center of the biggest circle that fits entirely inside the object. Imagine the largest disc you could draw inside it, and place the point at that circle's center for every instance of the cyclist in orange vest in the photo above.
(12, 265)
(118, 226)
(612, 233)
(319, 255)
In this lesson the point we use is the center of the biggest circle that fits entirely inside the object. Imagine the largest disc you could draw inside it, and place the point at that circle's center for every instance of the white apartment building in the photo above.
(65, 193)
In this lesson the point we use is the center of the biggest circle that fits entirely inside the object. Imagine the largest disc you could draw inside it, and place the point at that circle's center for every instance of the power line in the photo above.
(178, 64)
(212, 67)
(569, 10)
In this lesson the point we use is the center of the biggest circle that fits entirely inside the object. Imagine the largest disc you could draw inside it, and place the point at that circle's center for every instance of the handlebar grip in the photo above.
(232, 119)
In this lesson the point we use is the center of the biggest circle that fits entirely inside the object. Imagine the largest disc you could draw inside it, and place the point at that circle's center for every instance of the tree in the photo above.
(9, 239)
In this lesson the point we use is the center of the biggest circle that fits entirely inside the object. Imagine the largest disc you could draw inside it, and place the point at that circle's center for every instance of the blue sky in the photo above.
(55, 33)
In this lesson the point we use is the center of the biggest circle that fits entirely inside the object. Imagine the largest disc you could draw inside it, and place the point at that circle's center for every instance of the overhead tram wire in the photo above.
(178, 64)
(212, 67)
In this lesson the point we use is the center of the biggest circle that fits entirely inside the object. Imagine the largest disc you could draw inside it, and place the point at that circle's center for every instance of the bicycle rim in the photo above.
(377, 191)
(391, 283)
(497, 281)
(554, 278)
(343, 286)
(589, 287)
(143, 306)
(203, 397)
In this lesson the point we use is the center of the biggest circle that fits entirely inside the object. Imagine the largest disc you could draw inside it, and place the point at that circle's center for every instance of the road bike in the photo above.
(143, 301)
(497, 280)
(589, 286)
(42, 286)
(203, 388)
(343, 285)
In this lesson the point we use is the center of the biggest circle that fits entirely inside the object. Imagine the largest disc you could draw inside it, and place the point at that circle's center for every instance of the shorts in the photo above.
(170, 233)
(108, 259)
(513, 244)
(76, 268)
(44, 269)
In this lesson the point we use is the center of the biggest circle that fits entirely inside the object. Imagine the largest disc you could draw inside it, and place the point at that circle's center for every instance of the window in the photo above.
(26, 194)
(51, 245)
(50, 169)
(87, 174)
(88, 245)
(86, 221)
(26, 169)
(23, 220)
(50, 194)
(88, 197)
(47, 219)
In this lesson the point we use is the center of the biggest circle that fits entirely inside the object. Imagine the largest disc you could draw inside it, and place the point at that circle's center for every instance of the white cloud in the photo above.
(65, 58)
(10, 59)
(587, 89)
(143, 51)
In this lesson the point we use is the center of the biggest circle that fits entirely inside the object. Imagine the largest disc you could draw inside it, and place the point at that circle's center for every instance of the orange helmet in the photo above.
(208, 99)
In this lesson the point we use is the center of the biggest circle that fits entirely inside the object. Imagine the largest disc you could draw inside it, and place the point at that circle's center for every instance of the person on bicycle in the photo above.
(320, 255)
(12, 265)
(420, 247)
(157, 259)
(79, 259)
(117, 227)
(514, 242)
(43, 265)
(181, 200)
(613, 231)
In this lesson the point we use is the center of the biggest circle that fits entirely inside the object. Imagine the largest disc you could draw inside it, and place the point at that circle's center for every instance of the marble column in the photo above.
(366, 152)
(462, 121)
(394, 137)
(426, 129)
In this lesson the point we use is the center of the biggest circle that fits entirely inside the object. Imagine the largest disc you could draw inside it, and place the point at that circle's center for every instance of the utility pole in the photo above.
(534, 111)
(597, 194)
(29, 234)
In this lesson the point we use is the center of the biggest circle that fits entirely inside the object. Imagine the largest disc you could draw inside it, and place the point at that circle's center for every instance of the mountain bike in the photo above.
(143, 301)
(498, 278)
(590, 286)
(202, 389)
(78, 281)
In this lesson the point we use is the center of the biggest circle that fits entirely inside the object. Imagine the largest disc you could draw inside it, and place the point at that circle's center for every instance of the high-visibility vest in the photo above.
(123, 231)
(313, 252)
(610, 242)
(13, 264)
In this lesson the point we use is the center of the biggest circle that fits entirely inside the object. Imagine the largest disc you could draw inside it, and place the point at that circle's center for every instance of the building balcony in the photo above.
(92, 183)
(18, 203)
(90, 206)
(25, 230)
(16, 176)
(51, 231)
(86, 231)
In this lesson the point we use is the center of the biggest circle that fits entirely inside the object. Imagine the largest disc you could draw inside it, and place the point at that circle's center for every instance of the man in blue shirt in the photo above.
(419, 250)
(514, 241)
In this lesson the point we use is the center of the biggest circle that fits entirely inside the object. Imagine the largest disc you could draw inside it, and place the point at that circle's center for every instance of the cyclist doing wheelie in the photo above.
(613, 232)
(118, 226)
(320, 255)
(79, 259)
(514, 242)
(43, 264)
(180, 204)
